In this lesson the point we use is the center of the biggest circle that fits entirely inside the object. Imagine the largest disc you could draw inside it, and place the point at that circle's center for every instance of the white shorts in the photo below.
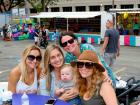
(36, 39)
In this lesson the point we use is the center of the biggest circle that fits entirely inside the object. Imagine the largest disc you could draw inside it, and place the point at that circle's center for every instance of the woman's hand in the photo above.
(69, 94)
(42, 74)
(107, 79)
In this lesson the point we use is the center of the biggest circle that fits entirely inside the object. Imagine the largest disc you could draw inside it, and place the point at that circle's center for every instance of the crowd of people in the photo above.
(79, 76)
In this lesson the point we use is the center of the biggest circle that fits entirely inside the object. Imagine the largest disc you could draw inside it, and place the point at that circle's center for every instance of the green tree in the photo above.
(40, 5)
(7, 5)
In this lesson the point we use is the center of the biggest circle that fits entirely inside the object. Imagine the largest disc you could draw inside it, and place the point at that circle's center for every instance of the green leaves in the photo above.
(7, 5)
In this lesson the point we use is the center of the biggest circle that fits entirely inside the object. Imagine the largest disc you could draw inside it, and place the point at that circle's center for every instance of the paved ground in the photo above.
(128, 64)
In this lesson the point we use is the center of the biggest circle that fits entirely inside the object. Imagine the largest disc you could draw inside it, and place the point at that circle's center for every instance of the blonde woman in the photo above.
(53, 61)
(89, 81)
(24, 77)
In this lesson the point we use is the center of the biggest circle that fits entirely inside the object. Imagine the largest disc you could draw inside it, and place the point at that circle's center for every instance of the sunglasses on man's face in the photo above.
(66, 43)
(87, 65)
(32, 57)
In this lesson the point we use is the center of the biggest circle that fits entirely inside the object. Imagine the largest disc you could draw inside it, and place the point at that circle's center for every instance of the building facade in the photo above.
(92, 5)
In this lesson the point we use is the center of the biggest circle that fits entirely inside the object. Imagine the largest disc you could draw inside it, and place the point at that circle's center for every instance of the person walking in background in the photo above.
(36, 36)
(44, 34)
(136, 27)
(47, 33)
(111, 46)
(5, 32)
(24, 77)
(92, 88)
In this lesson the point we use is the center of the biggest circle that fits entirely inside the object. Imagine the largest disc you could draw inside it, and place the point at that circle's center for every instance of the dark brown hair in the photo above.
(66, 33)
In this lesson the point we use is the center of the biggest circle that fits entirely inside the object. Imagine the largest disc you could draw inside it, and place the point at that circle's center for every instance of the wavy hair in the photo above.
(47, 66)
(22, 65)
(81, 83)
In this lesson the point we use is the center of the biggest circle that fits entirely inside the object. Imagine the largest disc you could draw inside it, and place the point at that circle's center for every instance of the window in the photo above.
(55, 9)
(107, 7)
(46, 9)
(80, 8)
(33, 10)
(127, 6)
(138, 5)
(94, 8)
(67, 9)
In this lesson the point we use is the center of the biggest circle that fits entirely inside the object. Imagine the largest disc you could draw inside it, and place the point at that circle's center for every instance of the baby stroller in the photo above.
(130, 92)
(43, 42)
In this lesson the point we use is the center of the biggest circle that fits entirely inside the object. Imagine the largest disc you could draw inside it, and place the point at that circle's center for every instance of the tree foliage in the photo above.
(7, 5)
(40, 5)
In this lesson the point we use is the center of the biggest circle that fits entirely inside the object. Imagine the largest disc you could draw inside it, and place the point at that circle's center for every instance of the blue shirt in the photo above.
(70, 57)
(42, 87)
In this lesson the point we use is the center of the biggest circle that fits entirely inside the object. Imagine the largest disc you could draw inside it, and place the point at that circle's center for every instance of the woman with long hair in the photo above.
(24, 77)
(92, 88)
(53, 61)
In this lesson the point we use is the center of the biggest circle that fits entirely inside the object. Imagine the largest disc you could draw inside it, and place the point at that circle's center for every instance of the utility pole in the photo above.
(26, 8)
(113, 14)
(112, 4)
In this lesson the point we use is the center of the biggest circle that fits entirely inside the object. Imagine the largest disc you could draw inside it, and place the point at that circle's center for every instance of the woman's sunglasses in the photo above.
(66, 43)
(87, 65)
(32, 57)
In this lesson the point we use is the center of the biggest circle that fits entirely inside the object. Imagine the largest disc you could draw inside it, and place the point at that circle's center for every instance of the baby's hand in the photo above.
(62, 90)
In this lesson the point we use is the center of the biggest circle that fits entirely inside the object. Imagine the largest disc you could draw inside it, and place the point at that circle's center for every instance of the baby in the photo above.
(66, 83)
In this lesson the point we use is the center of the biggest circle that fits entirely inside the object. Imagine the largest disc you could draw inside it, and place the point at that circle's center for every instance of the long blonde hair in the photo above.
(81, 83)
(22, 65)
(47, 66)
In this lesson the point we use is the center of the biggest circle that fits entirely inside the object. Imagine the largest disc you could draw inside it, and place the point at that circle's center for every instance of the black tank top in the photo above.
(95, 100)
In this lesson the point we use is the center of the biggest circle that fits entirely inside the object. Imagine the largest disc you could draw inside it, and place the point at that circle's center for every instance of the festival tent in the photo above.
(104, 17)
(66, 15)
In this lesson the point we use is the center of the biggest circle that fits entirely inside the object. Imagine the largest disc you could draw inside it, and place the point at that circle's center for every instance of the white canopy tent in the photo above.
(104, 17)
(66, 15)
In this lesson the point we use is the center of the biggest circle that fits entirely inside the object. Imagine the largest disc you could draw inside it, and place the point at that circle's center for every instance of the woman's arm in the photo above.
(108, 94)
(14, 77)
(70, 94)
(42, 87)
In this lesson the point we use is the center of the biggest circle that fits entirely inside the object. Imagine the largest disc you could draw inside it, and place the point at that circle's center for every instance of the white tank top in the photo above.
(23, 87)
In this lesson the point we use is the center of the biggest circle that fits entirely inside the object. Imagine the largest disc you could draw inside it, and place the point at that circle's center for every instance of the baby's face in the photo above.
(66, 74)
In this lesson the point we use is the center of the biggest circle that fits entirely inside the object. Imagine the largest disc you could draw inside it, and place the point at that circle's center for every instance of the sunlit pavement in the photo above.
(127, 65)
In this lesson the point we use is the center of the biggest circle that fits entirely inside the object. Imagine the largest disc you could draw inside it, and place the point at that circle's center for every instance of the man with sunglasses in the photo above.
(73, 49)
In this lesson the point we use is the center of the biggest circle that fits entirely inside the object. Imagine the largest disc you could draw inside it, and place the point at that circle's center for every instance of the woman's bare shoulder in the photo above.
(106, 84)
(106, 87)
(15, 71)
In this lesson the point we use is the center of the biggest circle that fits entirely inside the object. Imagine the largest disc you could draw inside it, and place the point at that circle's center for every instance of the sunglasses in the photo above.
(87, 65)
(66, 43)
(32, 57)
